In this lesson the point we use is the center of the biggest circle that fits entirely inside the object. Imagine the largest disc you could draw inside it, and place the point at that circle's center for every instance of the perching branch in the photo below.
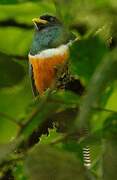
(18, 57)
(104, 109)
(13, 23)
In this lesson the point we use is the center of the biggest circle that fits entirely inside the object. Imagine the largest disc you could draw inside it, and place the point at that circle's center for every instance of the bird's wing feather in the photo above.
(35, 92)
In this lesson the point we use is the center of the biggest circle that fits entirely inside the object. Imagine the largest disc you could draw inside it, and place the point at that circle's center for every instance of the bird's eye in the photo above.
(51, 19)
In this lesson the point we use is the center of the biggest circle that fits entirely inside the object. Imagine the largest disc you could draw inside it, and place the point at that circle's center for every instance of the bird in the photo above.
(49, 54)
(49, 62)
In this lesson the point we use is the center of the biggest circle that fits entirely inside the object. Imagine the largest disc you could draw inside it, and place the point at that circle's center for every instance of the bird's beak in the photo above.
(40, 21)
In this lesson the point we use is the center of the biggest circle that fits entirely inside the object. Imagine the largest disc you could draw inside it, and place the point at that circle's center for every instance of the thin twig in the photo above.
(10, 119)
(18, 57)
(60, 139)
(34, 113)
(11, 161)
(29, 120)
(104, 109)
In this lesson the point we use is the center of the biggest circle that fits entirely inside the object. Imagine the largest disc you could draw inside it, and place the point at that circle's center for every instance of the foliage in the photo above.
(12, 71)
(43, 137)
(65, 167)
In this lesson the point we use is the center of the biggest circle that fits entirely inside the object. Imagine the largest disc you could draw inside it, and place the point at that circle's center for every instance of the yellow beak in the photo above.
(37, 20)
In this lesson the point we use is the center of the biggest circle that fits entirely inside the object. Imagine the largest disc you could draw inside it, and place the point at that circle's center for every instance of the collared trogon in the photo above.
(48, 62)
(48, 57)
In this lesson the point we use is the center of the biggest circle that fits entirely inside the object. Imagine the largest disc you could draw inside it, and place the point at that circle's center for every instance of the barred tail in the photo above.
(86, 152)
(86, 157)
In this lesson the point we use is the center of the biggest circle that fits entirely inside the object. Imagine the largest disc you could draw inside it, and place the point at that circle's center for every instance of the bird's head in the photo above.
(49, 33)
(45, 21)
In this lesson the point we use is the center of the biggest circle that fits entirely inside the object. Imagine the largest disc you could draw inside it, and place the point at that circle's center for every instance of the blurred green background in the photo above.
(16, 31)
(95, 24)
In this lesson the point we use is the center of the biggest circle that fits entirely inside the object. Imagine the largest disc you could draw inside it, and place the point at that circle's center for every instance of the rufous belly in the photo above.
(44, 69)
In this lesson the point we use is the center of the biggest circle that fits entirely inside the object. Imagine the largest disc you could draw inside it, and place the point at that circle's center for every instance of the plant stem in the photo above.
(10, 119)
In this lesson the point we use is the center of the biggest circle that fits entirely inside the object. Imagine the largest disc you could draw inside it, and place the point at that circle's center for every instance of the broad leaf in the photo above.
(40, 112)
(65, 97)
(110, 126)
(11, 72)
(105, 74)
(85, 55)
(55, 106)
(46, 162)
(110, 159)
(6, 149)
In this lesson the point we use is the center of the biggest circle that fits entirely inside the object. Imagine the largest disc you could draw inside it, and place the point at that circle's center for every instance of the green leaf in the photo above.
(111, 104)
(13, 103)
(14, 1)
(18, 171)
(73, 146)
(49, 106)
(53, 135)
(105, 74)
(85, 55)
(110, 126)
(66, 114)
(94, 13)
(17, 41)
(39, 114)
(24, 12)
(11, 72)
(66, 98)
(110, 159)
(8, 130)
(6, 149)
(46, 162)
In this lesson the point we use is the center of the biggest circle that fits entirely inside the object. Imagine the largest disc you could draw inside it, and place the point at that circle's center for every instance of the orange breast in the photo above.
(44, 70)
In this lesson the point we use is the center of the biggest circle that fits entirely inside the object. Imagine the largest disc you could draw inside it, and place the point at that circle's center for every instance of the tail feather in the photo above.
(86, 157)
(86, 154)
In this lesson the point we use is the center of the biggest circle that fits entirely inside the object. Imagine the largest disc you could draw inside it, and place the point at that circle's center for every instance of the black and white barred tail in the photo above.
(86, 152)
(86, 157)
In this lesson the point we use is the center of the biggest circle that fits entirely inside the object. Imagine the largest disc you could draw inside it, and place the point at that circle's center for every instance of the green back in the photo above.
(49, 37)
